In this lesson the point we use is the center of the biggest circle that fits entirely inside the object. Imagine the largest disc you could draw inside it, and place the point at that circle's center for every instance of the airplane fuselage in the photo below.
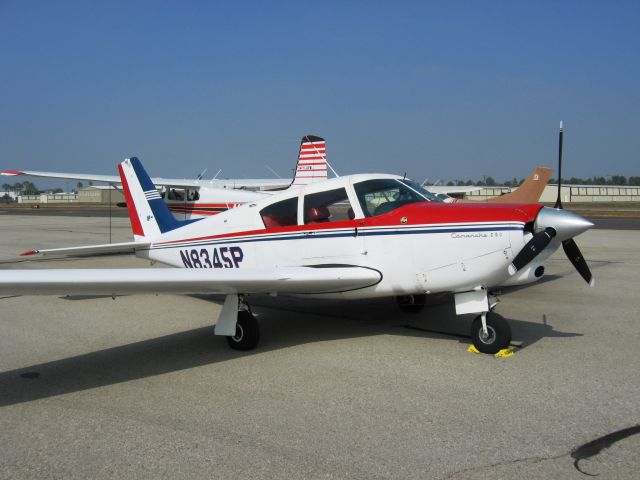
(424, 247)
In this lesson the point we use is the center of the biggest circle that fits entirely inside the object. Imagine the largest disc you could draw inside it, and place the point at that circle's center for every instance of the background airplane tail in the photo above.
(149, 215)
(530, 190)
(312, 161)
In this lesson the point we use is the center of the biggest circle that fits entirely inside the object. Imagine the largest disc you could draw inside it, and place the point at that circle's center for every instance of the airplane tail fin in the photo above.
(529, 191)
(149, 215)
(312, 162)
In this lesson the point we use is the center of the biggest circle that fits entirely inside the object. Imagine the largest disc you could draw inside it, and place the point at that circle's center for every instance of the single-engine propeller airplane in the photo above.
(352, 237)
(198, 198)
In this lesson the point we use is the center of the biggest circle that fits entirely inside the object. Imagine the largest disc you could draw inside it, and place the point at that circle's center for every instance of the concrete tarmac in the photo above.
(139, 387)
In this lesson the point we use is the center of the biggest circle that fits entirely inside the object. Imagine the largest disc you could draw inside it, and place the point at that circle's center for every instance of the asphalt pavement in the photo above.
(139, 387)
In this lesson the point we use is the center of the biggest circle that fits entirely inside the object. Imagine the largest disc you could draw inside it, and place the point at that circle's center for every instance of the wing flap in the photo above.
(299, 280)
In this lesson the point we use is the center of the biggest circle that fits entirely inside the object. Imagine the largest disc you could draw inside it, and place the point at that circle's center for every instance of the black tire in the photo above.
(411, 303)
(247, 332)
(499, 334)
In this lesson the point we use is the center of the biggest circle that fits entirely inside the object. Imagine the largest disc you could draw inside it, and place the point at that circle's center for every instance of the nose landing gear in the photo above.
(490, 332)
(493, 336)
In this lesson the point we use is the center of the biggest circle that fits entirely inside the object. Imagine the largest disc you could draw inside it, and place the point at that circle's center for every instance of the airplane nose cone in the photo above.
(566, 224)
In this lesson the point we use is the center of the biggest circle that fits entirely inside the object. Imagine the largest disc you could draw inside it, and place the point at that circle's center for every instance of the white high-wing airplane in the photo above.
(197, 198)
(352, 237)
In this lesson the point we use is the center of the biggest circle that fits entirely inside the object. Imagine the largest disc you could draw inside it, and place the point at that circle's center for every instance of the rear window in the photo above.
(281, 214)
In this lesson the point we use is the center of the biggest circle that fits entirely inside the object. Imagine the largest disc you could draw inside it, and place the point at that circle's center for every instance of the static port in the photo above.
(539, 271)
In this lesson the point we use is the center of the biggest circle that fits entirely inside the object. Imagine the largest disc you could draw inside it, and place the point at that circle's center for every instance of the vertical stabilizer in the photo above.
(312, 161)
(149, 215)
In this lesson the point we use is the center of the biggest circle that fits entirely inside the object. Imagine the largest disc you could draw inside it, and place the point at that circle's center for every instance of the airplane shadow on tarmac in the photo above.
(284, 323)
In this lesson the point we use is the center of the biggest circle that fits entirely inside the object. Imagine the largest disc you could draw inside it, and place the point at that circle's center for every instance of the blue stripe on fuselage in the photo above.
(318, 234)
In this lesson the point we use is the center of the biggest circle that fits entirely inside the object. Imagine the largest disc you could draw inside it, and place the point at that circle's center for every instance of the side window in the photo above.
(176, 194)
(331, 206)
(281, 214)
(193, 195)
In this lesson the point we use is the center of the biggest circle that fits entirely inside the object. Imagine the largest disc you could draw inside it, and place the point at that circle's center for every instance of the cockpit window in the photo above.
(281, 214)
(330, 206)
(381, 196)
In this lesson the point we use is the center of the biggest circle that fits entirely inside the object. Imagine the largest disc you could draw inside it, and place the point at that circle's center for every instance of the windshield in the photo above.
(381, 196)
(432, 197)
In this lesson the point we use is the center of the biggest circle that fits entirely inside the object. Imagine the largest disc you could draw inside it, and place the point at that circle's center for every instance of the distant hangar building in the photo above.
(570, 193)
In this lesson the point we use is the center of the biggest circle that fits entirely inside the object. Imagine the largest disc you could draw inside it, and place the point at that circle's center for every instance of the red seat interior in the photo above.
(318, 214)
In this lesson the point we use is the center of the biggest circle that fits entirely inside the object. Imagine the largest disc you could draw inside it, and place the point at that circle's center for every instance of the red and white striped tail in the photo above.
(312, 161)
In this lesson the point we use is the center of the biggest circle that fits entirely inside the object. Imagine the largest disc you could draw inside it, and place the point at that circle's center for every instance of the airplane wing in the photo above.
(125, 247)
(298, 280)
(172, 182)
(67, 176)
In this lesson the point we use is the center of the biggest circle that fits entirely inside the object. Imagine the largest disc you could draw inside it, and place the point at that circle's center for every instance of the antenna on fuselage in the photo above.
(558, 202)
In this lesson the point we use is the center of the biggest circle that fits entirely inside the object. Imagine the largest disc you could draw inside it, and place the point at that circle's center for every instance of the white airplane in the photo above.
(352, 237)
(189, 199)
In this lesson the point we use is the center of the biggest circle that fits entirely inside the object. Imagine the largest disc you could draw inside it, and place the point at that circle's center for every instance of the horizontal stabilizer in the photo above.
(299, 280)
(126, 247)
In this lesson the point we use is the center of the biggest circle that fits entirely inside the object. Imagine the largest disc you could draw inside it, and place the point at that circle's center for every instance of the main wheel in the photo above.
(411, 303)
(498, 333)
(247, 332)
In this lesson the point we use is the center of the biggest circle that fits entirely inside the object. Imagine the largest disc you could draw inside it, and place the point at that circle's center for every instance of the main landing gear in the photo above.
(238, 324)
(411, 303)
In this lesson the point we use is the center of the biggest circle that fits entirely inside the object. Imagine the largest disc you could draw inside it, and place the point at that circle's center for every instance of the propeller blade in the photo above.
(558, 202)
(575, 257)
(532, 249)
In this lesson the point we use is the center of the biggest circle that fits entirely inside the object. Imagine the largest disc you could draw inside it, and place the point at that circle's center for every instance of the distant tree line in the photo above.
(28, 188)
(24, 188)
(608, 180)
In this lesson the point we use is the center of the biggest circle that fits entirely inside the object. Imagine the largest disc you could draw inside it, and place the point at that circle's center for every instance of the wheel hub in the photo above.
(239, 334)
(489, 337)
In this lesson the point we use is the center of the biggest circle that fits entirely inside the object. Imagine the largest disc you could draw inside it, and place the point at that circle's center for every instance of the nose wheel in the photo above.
(495, 337)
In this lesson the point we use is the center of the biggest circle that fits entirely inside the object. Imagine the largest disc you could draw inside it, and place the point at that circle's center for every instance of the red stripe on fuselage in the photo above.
(423, 213)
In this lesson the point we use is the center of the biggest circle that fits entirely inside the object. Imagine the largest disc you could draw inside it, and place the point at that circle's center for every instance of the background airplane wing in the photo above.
(299, 280)
(453, 189)
(62, 175)
(158, 181)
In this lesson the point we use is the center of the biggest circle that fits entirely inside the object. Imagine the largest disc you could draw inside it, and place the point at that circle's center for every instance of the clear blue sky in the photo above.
(442, 90)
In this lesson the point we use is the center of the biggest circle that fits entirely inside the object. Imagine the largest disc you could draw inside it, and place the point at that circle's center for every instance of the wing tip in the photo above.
(29, 252)
(11, 173)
